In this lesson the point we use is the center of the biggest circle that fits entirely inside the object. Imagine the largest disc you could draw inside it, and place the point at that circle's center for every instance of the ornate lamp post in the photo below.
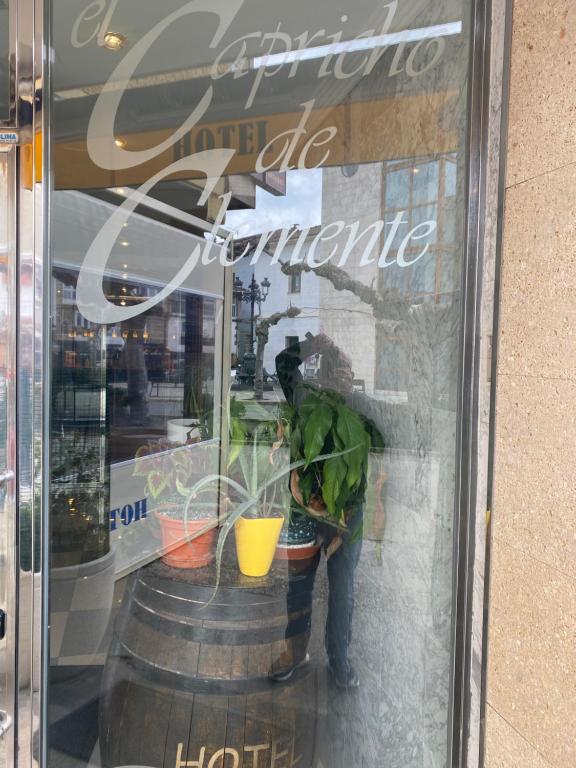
(253, 294)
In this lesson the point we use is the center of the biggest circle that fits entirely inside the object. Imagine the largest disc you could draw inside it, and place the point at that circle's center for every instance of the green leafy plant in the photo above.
(171, 473)
(330, 442)
(200, 408)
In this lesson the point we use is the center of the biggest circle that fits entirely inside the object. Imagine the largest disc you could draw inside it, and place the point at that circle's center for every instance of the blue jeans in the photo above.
(341, 568)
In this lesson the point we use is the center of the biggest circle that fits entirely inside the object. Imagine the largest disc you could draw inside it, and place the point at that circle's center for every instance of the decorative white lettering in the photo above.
(102, 148)
(428, 227)
(92, 302)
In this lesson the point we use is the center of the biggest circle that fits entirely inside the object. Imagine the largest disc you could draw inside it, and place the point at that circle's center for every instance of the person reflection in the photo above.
(335, 373)
(136, 370)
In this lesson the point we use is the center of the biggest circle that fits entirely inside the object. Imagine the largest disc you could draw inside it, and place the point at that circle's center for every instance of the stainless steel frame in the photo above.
(13, 66)
(26, 398)
(32, 51)
(17, 533)
(485, 143)
(8, 485)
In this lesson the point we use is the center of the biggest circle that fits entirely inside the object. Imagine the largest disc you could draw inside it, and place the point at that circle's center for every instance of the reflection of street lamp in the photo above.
(254, 294)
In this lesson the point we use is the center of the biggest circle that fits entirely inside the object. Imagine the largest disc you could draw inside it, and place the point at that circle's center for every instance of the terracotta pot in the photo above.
(182, 553)
(296, 551)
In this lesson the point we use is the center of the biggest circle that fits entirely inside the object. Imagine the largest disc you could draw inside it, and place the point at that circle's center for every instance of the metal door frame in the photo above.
(25, 741)
(23, 475)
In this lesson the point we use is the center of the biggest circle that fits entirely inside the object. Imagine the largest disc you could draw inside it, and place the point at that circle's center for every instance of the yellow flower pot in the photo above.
(256, 541)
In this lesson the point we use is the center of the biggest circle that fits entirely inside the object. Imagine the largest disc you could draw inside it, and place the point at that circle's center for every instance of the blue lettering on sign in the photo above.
(128, 514)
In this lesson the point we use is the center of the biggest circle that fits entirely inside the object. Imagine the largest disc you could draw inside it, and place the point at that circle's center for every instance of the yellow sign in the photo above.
(32, 162)
(358, 132)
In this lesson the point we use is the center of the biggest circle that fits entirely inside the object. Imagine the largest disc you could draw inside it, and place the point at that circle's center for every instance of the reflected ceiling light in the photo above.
(124, 266)
(124, 243)
(120, 142)
(415, 170)
(361, 44)
(123, 304)
(114, 41)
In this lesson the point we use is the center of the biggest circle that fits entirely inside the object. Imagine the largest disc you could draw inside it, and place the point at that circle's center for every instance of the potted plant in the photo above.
(330, 444)
(256, 485)
(299, 537)
(259, 466)
(187, 529)
(196, 425)
(258, 450)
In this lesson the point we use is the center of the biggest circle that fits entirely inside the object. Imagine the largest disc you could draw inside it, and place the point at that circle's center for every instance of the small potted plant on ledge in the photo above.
(188, 529)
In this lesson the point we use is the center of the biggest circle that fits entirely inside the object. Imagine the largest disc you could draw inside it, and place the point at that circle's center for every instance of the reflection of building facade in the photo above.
(301, 290)
(417, 191)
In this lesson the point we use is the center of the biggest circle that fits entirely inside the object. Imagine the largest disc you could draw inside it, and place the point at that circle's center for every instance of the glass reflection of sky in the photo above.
(302, 205)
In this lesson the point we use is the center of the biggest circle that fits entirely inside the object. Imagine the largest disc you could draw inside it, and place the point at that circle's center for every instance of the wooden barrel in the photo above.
(188, 685)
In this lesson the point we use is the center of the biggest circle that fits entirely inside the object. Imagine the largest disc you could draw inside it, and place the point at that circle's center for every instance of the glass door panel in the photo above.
(6, 94)
(257, 238)
(7, 456)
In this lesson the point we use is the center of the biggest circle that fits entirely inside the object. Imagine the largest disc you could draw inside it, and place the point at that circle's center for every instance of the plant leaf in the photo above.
(334, 546)
(306, 486)
(333, 475)
(350, 429)
(197, 487)
(238, 438)
(222, 536)
(295, 442)
(315, 431)
(156, 484)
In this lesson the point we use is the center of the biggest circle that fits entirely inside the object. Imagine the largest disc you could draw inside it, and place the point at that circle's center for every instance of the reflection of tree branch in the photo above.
(262, 333)
(389, 304)
(424, 326)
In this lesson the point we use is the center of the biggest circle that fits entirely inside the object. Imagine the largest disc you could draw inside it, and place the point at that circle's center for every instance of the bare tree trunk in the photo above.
(262, 332)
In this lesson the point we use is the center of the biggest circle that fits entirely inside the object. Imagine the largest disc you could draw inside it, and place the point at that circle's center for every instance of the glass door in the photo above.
(256, 227)
(7, 455)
